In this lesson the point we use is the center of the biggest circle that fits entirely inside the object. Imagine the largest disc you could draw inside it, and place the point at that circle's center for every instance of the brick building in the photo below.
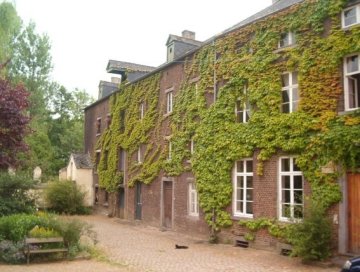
(280, 51)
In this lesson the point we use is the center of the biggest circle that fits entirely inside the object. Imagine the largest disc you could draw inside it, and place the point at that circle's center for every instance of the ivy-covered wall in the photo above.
(315, 133)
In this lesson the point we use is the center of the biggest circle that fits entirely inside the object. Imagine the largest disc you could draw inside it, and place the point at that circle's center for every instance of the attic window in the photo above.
(351, 16)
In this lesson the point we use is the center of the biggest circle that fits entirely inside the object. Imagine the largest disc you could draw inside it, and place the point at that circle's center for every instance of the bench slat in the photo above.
(44, 240)
(48, 250)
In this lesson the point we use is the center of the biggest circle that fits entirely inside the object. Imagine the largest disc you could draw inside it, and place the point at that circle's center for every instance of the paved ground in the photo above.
(138, 249)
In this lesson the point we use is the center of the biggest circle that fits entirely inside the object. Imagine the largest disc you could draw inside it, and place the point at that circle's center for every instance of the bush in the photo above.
(14, 196)
(65, 197)
(14, 229)
(311, 239)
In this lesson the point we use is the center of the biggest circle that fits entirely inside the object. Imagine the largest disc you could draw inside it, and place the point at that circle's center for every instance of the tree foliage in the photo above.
(13, 122)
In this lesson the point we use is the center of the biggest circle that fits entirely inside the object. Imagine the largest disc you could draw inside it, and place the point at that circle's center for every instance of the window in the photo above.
(287, 39)
(290, 94)
(291, 195)
(106, 156)
(98, 126)
(169, 102)
(243, 188)
(121, 160)
(243, 108)
(122, 121)
(138, 155)
(192, 146)
(142, 110)
(352, 82)
(97, 160)
(108, 120)
(193, 204)
(169, 150)
(351, 16)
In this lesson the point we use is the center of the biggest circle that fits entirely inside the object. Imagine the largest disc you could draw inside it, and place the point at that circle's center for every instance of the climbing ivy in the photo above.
(250, 57)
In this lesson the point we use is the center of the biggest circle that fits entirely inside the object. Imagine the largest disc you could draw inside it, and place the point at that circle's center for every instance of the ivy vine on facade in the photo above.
(255, 123)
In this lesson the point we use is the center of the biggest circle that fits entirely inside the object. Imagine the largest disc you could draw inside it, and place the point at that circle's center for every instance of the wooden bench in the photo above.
(33, 246)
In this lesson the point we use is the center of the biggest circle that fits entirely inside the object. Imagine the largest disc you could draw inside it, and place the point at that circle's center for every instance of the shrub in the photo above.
(14, 197)
(311, 239)
(11, 252)
(42, 232)
(65, 197)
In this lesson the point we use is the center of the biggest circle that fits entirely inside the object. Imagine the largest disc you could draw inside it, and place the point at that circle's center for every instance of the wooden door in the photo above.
(121, 202)
(167, 204)
(138, 203)
(354, 212)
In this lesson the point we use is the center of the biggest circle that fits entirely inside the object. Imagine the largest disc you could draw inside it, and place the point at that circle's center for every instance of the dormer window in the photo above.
(98, 126)
(287, 39)
(108, 120)
(169, 102)
(243, 108)
(351, 16)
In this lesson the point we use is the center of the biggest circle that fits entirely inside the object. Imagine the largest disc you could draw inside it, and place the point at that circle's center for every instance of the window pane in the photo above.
(295, 105)
(240, 182)
(249, 194)
(298, 197)
(298, 211)
(239, 206)
(284, 39)
(296, 167)
(249, 166)
(352, 64)
(285, 182)
(247, 115)
(285, 108)
(240, 166)
(241, 194)
(285, 165)
(285, 96)
(238, 194)
(294, 78)
(295, 94)
(350, 16)
(249, 207)
(240, 117)
(286, 196)
(249, 183)
(298, 182)
(285, 210)
(239, 105)
(285, 80)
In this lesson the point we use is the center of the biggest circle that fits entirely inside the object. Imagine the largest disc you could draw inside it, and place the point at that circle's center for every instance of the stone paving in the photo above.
(146, 249)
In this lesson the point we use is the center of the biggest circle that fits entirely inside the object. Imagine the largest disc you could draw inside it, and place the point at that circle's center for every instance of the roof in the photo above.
(119, 67)
(82, 161)
(182, 39)
(275, 7)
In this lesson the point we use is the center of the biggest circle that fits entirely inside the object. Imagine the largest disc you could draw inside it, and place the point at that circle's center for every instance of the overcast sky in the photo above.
(85, 34)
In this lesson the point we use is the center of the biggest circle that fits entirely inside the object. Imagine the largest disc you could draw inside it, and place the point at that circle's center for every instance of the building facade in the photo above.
(258, 122)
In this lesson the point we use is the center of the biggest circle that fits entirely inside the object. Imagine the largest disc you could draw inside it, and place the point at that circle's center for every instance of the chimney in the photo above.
(189, 34)
(116, 80)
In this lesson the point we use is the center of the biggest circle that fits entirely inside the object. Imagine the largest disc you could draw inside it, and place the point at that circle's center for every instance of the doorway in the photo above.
(167, 204)
(354, 212)
(138, 203)
(121, 202)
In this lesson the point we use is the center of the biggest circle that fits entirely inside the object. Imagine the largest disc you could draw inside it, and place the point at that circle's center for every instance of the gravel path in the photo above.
(138, 248)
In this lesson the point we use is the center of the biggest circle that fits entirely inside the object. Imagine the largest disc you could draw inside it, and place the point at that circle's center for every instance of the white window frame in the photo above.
(346, 83)
(142, 110)
(245, 175)
(98, 126)
(193, 201)
(246, 108)
(290, 88)
(169, 101)
(291, 39)
(192, 146)
(292, 174)
(169, 150)
(357, 10)
(138, 155)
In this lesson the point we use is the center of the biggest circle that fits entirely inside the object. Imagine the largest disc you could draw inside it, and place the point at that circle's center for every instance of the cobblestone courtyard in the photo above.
(139, 248)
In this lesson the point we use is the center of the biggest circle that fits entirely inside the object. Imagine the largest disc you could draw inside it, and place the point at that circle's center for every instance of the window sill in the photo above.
(349, 111)
(242, 217)
(346, 28)
(285, 48)
(98, 134)
(193, 217)
(167, 114)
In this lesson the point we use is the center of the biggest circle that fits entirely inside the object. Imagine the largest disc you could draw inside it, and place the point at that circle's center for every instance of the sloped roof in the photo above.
(122, 66)
(275, 7)
(82, 161)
